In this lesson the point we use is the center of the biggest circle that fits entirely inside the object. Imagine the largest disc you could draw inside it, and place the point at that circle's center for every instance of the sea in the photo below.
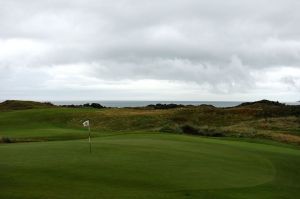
(122, 104)
(135, 103)
(132, 103)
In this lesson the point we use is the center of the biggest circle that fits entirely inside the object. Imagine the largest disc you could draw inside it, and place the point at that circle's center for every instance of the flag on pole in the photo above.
(87, 124)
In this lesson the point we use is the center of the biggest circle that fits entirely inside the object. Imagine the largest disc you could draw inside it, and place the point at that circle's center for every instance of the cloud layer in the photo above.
(140, 49)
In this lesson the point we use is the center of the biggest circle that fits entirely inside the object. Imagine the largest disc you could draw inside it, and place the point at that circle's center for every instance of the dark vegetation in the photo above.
(261, 103)
(272, 109)
(193, 130)
(87, 105)
(165, 106)
(7, 140)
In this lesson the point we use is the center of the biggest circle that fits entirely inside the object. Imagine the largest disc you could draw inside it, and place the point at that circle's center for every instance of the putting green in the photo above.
(148, 166)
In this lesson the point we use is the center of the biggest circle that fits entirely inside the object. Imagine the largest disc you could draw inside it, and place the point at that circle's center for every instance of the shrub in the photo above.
(6, 140)
(215, 134)
(87, 105)
(189, 129)
(96, 105)
(165, 106)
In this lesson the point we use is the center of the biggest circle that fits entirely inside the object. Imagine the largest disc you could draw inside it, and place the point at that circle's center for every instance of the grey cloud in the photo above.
(215, 43)
(292, 81)
(209, 31)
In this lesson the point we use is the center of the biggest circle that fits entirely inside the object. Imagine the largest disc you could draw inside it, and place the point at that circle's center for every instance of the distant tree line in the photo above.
(87, 105)
(165, 106)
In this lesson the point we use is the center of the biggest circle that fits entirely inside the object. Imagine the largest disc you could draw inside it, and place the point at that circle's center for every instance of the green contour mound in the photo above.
(148, 166)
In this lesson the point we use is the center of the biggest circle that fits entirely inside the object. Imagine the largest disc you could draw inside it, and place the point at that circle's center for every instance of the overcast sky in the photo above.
(238, 50)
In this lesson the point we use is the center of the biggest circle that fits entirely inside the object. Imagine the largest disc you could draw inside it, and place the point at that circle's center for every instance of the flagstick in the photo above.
(90, 139)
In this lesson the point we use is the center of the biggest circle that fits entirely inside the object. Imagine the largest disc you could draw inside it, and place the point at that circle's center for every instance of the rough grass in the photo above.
(23, 105)
(284, 129)
(53, 123)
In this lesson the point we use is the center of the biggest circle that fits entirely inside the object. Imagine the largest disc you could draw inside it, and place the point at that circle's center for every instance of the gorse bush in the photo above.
(189, 129)
(193, 130)
(6, 140)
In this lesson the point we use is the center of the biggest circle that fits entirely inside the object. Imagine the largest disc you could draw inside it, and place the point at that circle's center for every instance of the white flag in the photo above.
(86, 123)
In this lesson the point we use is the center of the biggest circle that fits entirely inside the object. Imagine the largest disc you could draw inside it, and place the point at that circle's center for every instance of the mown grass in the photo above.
(148, 166)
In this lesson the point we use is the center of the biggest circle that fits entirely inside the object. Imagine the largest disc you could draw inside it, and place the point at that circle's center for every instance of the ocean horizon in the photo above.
(132, 103)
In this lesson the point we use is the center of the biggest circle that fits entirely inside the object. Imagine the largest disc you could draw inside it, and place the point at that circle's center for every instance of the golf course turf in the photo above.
(147, 153)
(149, 165)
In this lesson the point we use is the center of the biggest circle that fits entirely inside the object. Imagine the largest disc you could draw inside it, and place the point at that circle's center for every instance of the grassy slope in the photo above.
(38, 124)
(149, 166)
(23, 105)
(61, 123)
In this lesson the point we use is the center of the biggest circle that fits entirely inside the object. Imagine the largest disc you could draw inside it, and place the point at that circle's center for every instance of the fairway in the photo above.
(148, 166)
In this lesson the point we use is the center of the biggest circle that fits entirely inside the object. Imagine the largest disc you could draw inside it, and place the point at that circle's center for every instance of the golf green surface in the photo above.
(148, 166)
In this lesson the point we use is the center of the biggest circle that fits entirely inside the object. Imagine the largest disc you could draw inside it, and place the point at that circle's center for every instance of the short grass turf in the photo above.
(148, 166)
(42, 124)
